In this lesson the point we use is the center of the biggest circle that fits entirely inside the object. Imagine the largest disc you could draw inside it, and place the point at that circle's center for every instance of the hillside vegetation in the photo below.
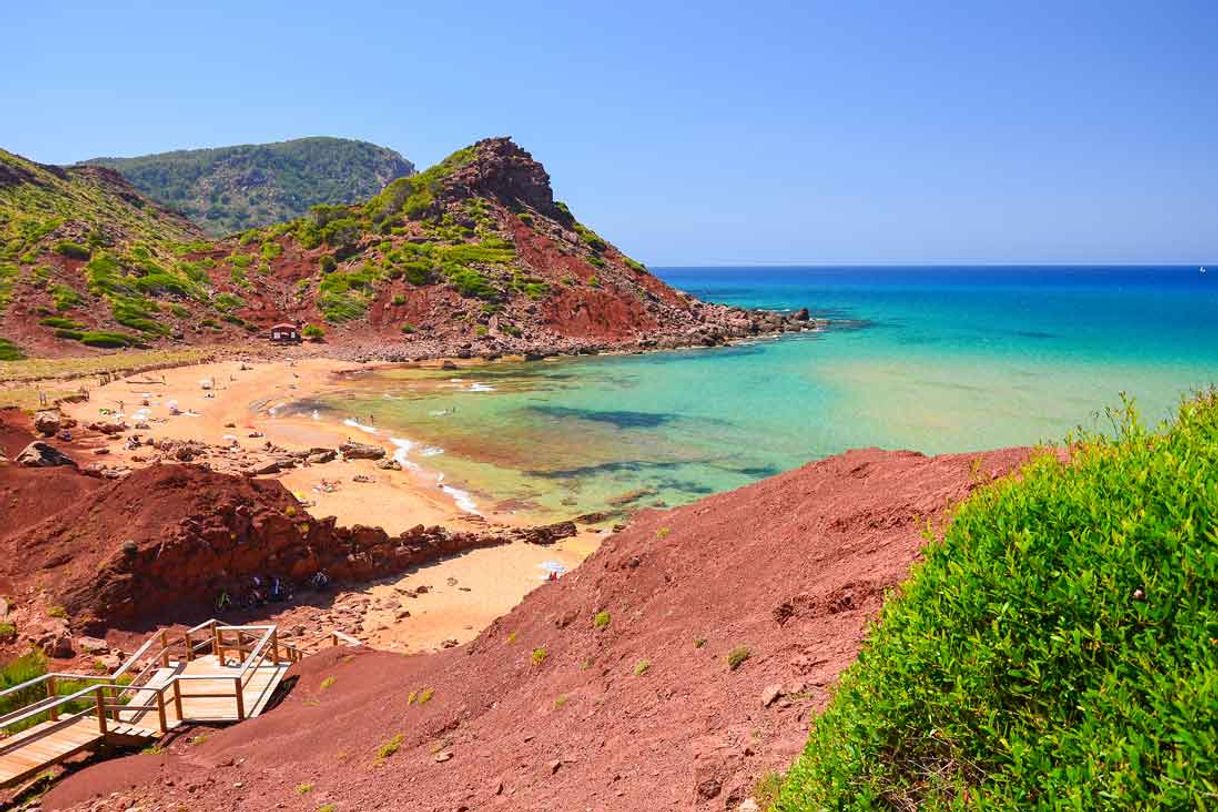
(1057, 649)
(229, 189)
(472, 256)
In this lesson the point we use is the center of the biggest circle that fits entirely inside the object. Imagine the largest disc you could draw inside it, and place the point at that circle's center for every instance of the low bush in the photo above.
(390, 747)
(1058, 647)
(72, 250)
(601, 620)
(313, 332)
(737, 656)
(105, 339)
(10, 351)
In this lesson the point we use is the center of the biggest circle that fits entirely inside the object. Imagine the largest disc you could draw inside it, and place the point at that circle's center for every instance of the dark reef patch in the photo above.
(622, 418)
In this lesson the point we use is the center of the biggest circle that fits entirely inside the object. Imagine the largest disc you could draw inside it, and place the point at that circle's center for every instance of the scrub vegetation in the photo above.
(1057, 649)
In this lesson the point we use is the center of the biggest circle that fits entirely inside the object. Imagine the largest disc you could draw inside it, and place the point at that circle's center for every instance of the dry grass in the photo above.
(22, 381)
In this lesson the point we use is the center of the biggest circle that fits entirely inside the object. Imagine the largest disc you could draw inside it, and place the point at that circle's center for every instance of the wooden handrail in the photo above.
(42, 706)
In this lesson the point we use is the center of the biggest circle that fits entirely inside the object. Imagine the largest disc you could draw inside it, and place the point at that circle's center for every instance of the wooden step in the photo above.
(123, 729)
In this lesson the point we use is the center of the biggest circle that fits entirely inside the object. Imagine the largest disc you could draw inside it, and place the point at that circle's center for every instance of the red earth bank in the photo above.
(546, 711)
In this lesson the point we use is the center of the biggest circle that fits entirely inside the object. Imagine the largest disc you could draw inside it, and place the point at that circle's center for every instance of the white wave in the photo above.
(316, 415)
(480, 387)
(355, 424)
(402, 452)
(464, 501)
(430, 451)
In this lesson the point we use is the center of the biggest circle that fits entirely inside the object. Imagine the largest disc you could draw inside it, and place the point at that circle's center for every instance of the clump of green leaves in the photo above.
(72, 250)
(539, 655)
(642, 667)
(390, 747)
(1056, 648)
(601, 620)
(737, 656)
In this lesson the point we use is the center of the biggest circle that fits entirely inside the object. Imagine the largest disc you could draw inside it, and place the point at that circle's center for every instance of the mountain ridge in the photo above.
(230, 188)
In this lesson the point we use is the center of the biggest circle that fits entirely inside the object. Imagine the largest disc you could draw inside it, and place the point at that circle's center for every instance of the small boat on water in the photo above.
(1202, 269)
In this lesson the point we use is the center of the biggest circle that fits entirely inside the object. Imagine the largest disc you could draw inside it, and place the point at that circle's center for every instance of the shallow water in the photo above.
(935, 359)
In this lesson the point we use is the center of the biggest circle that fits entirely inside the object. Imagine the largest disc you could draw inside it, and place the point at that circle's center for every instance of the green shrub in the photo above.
(398, 299)
(72, 250)
(313, 332)
(601, 620)
(390, 747)
(60, 322)
(138, 313)
(65, 298)
(737, 656)
(418, 272)
(539, 655)
(408, 328)
(1056, 649)
(536, 290)
(227, 302)
(10, 351)
(642, 667)
(270, 250)
(105, 339)
(328, 263)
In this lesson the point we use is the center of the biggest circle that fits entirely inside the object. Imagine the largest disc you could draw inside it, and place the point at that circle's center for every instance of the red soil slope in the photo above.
(544, 711)
(163, 543)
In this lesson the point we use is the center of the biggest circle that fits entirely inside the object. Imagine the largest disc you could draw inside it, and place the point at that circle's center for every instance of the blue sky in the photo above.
(688, 133)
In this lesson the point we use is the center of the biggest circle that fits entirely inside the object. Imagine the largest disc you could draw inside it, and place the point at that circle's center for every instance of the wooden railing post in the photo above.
(217, 644)
(99, 697)
(164, 648)
(190, 649)
(240, 699)
(275, 645)
(53, 690)
(177, 699)
(160, 710)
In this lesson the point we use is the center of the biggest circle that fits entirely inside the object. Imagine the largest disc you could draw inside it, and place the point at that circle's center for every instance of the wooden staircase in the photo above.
(212, 673)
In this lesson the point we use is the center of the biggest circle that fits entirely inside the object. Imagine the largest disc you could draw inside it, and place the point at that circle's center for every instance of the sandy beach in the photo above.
(224, 403)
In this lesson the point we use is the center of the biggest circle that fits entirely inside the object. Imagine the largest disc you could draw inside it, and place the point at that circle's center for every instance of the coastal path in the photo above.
(212, 673)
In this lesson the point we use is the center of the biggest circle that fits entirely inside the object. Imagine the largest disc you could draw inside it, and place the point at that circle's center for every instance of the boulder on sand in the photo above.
(361, 451)
(43, 455)
(47, 423)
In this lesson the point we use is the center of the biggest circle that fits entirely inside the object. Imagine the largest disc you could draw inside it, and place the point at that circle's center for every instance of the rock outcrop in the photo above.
(170, 541)
(43, 455)
(361, 451)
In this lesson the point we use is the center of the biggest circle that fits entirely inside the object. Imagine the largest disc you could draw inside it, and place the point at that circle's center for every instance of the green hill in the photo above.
(473, 255)
(1058, 649)
(229, 189)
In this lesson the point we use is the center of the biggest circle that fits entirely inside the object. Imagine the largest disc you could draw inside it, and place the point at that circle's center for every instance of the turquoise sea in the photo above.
(929, 358)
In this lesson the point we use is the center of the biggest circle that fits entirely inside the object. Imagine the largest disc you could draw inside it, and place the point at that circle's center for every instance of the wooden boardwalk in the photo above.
(213, 673)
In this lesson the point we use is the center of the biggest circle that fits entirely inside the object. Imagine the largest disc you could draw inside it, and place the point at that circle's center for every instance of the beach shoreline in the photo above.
(234, 403)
